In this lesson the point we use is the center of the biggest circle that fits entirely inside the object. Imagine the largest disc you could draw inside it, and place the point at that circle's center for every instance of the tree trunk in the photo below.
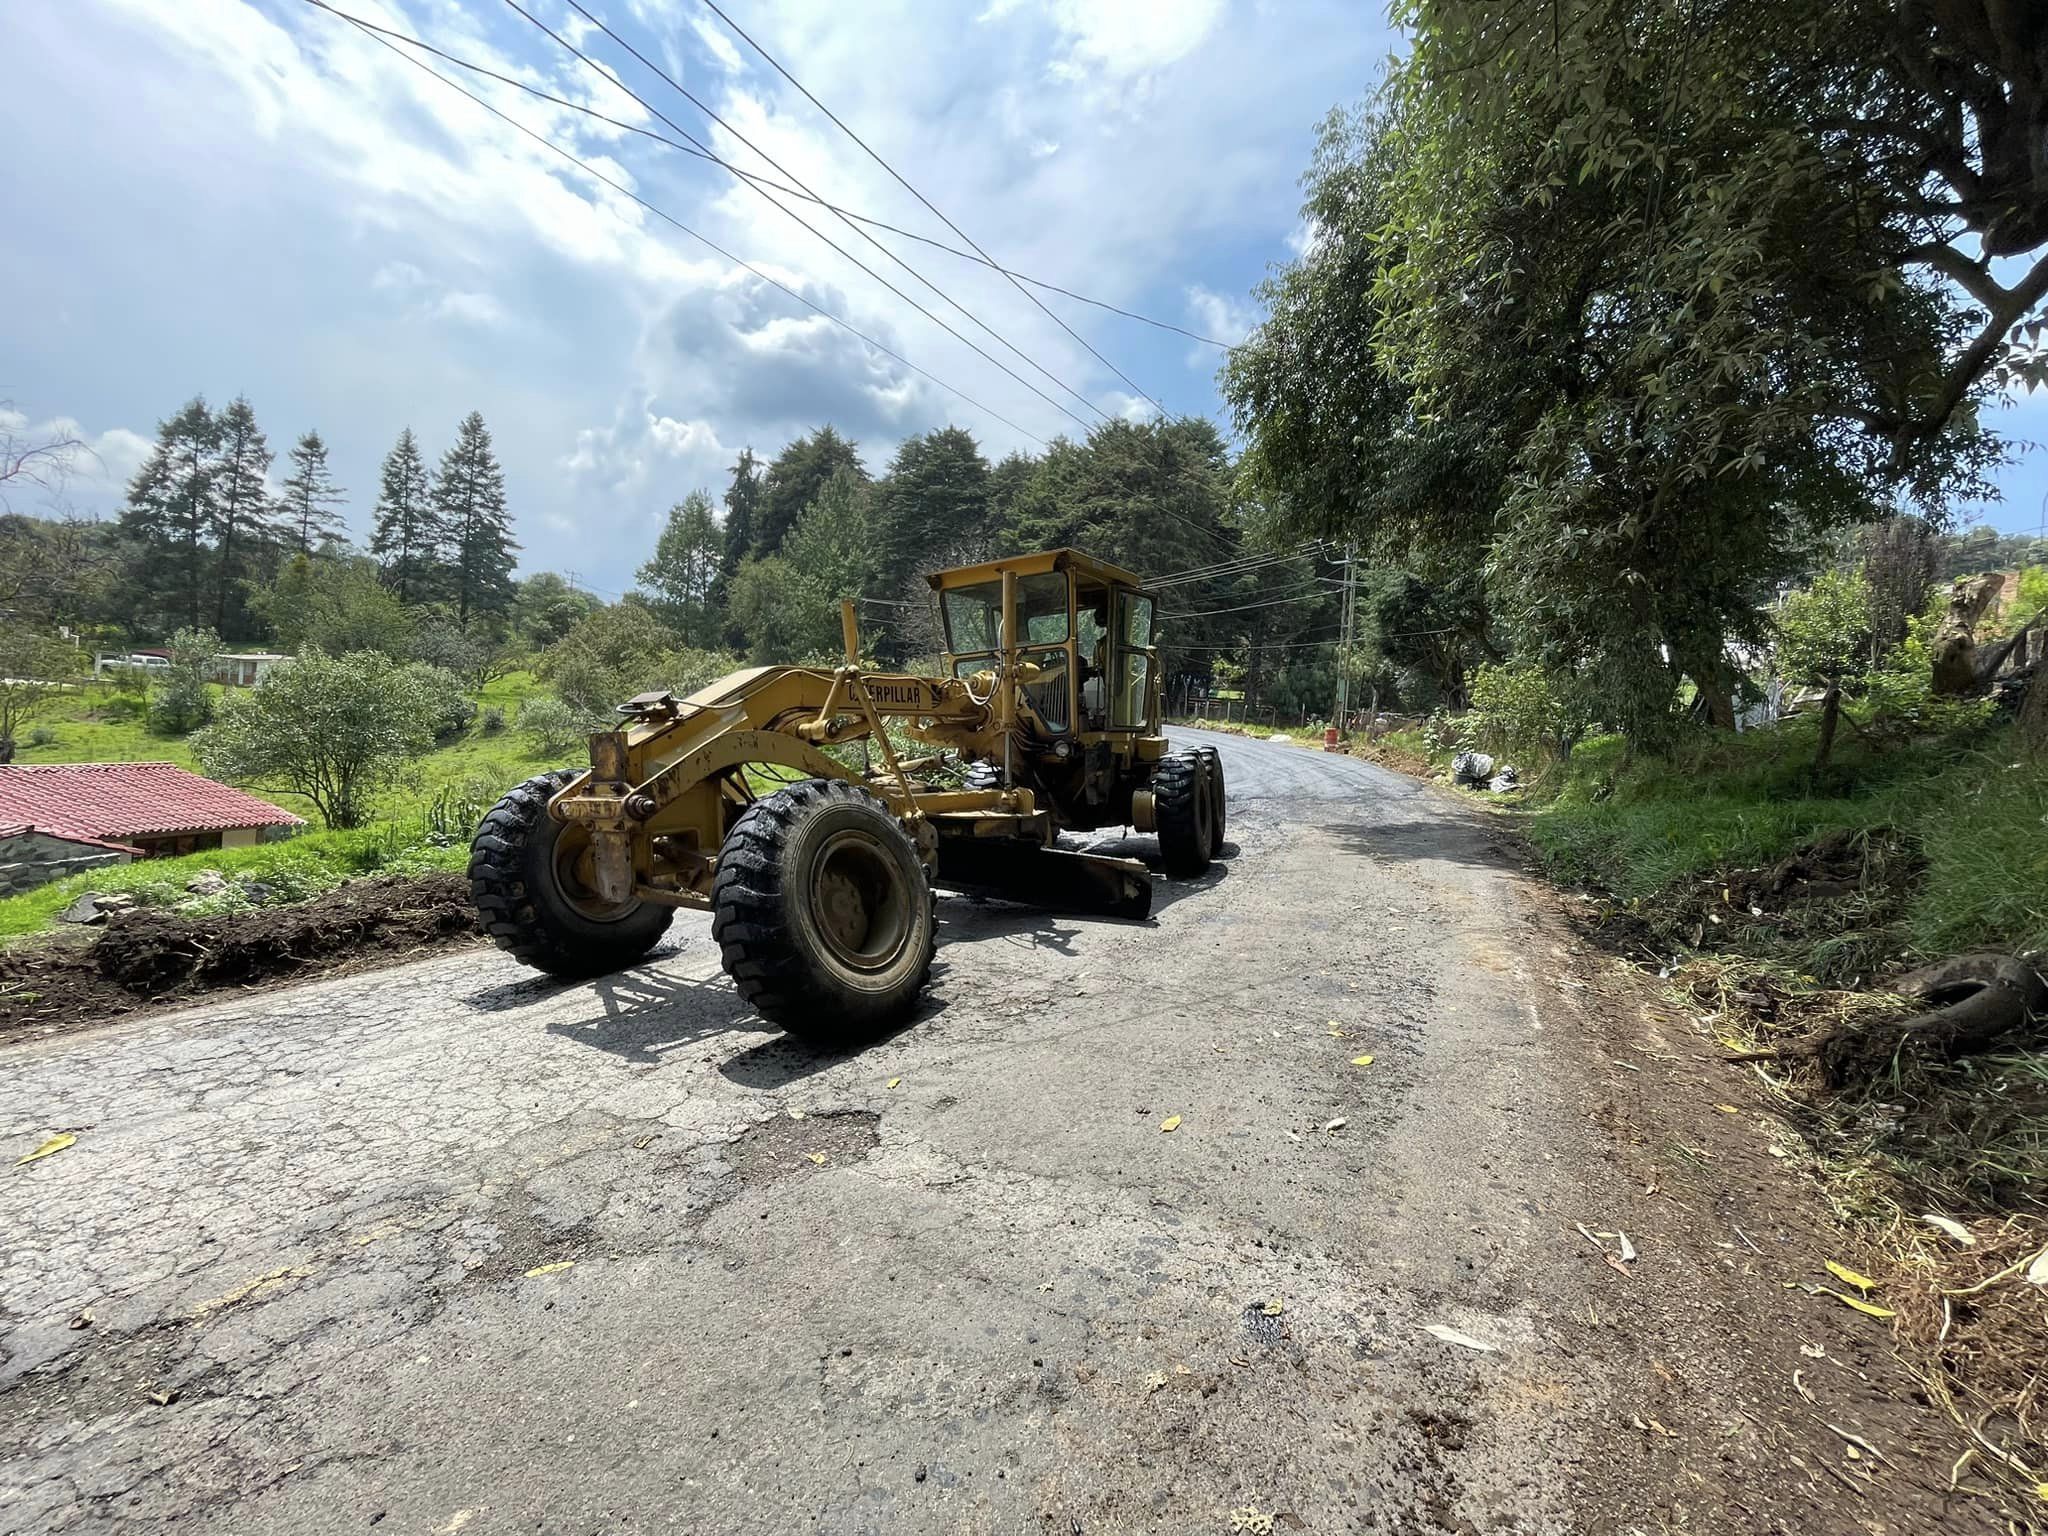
(1955, 643)
(1830, 718)
(2033, 718)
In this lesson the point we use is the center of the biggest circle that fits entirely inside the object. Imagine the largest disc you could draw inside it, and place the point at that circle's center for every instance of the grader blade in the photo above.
(1052, 878)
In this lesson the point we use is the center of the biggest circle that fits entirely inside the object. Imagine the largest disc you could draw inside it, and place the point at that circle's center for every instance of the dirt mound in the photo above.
(146, 957)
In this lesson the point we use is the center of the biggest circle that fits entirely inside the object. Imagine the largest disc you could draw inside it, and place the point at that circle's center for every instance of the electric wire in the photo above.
(713, 6)
(695, 151)
(1322, 592)
(701, 106)
(670, 219)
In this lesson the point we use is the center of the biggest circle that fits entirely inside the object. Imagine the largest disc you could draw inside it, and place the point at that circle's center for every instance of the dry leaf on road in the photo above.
(551, 1269)
(1361, 1061)
(1848, 1276)
(1170, 1123)
(55, 1144)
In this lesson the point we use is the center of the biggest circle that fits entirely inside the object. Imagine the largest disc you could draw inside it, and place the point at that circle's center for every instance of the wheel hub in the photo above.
(858, 902)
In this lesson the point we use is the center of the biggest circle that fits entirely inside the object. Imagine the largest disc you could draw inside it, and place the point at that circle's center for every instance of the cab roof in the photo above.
(1035, 565)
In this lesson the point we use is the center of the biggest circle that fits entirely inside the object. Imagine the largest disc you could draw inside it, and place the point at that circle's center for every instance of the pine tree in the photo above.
(469, 499)
(169, 519)
(685, 569)
(742, 502)
(310, 497)
(242, 509)
(408, 535)
(794, 481)
(935, 499)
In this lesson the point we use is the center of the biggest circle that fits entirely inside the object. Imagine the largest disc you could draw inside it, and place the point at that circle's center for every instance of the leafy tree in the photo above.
(469, 500)
(1899, 558)
(182, 699)
(409, 533)
(775, 611)
(336, 606)
(787, 606)
(307, 508)
(794, 480)
(546, 607)
(473, 656)
(611, 655)
(1824, 641)
(34, 668)
(684, 572)
(332, 728)
(242, 510)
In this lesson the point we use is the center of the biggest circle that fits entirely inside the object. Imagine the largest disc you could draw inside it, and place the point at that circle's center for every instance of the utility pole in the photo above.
(1344, 643)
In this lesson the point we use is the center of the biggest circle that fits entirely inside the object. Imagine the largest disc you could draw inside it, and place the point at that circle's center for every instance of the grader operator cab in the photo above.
(777, 799)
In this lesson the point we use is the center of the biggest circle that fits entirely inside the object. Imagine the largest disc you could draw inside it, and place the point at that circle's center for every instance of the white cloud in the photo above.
(471, 308)
(1219, 318)
(89, 473)
(718, 45)
(1131, 38)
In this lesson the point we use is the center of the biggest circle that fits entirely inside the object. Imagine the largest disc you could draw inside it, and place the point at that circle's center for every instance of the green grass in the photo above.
(294, 869)
(423, 821)
(1635, 828)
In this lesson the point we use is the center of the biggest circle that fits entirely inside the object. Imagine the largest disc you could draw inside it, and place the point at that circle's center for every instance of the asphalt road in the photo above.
(452, 1248)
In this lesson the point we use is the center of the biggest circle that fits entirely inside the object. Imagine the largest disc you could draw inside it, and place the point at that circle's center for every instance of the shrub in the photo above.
(181, 701)
(453, 708)
(1519, 708)
(491, 722)
(41, 736)
(551, 723)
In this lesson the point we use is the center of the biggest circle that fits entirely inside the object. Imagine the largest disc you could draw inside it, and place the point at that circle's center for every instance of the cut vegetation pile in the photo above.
(147, 956)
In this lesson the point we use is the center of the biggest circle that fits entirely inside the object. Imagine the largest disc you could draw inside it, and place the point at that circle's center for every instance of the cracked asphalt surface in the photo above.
(455, 1248)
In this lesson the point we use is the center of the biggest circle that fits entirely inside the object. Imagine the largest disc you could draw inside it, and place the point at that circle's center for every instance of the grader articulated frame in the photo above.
(741, 799)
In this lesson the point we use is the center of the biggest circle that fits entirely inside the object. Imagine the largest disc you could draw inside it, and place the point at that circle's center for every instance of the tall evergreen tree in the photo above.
(242, 511)
(310, 496)
(794, 481)
(469, 499)
(408, 535)
(169, 520)
(685, 570)
(742, 507)
(935, 498)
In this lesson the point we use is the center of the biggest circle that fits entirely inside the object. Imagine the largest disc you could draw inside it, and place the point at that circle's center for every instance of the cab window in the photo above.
(974, 614)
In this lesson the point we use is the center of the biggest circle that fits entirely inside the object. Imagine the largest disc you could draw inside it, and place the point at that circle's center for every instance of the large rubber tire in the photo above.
(823, 912)
(982, 776)
(1218, 807)
(1183, 810)
(527, 899)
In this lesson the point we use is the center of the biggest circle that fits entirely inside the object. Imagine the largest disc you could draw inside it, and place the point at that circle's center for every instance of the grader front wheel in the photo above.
(823, 913)
(528, 877)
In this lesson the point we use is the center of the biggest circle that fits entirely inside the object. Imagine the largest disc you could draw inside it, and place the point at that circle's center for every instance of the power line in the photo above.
(713, 6)
(696, 150)
(1321, 593)
(667, 218)
(792, 214)
(1229, 570)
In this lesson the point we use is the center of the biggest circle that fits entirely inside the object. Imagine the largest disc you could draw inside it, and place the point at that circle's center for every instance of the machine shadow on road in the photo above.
(640, 1015)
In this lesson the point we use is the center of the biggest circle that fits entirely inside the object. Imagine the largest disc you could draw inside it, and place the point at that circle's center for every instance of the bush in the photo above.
(551, 723)
(1519, 708)
(182, 701)
(491, 722)
(453, 708)
(41, 736)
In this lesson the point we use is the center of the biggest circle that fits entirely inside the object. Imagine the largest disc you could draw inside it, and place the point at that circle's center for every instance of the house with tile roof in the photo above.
(57, 817)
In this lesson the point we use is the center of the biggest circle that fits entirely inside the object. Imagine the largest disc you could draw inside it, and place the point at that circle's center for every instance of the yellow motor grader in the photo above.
(817, 861)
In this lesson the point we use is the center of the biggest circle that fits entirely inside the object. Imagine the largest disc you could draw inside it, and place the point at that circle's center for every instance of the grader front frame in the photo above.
(745, 799)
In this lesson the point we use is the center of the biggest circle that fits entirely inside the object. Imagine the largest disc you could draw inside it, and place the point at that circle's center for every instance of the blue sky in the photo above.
(247, 196)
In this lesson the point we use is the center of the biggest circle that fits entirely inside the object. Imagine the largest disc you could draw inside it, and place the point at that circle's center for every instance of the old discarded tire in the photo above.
(1212, 761)
(823, 913)
(527, 878)
(1183, 808)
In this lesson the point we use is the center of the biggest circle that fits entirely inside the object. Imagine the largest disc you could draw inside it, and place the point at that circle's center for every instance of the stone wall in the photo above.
(29, 859)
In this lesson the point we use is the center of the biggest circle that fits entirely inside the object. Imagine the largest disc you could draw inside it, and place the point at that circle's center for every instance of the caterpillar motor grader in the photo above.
(776, 799)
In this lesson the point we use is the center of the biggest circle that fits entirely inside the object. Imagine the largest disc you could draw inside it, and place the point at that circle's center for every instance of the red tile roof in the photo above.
(123, 800)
